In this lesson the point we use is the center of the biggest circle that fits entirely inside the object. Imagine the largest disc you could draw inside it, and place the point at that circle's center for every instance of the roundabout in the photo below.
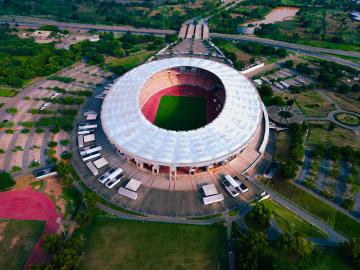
(348, 119)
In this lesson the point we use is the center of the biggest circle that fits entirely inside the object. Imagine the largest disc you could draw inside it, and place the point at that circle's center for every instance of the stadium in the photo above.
(183, 115)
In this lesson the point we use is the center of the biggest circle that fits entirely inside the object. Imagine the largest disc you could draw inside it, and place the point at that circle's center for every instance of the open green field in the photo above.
(17, 240)
(181, 112)
(7, 92)
(312, 104)
(319, 134)
(290, 222)
(127, 245)
(128, 62)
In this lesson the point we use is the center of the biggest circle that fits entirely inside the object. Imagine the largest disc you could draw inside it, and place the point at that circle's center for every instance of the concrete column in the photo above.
(140, 165)
(172, 173)
(224, 162)
(155, 169)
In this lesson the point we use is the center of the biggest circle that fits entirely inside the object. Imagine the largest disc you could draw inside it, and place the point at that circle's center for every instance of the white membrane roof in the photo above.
(128, 129)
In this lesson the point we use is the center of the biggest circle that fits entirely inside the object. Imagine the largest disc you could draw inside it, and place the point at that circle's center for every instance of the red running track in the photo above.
(149, 109)
(30, 205)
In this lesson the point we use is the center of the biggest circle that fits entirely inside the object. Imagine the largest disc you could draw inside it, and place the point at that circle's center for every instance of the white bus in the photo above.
(91, 156)
(90, 149)
(114, 181)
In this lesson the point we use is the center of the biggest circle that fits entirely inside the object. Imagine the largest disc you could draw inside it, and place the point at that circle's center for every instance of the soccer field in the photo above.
(181, 113)
(18, 239)
(127, 245)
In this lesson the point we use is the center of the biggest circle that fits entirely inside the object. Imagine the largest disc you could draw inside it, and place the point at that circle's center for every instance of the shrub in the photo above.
(25, 130)
(15, 169)
(52, 144)
(12, 110)
(348, 204)
(51, 152)
(27, 124)
(7, 124)
(64, 142)
(66, 156)
(9, 131)
(61, 79)
(39, 130)
(34, 164)
(326, 194)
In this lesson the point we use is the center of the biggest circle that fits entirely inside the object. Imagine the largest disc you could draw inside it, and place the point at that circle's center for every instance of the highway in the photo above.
(37, 22)
(317, 52)
(321, 53)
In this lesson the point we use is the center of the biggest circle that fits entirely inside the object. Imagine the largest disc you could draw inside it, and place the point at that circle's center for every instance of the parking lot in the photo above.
(23, 146)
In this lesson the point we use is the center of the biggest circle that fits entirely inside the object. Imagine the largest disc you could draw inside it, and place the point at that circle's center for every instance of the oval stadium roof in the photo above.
(128, 129)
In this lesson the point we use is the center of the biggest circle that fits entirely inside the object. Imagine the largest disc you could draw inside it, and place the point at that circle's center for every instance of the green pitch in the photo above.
(181, 113)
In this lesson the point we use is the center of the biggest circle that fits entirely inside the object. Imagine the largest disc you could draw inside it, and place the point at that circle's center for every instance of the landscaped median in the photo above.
(334, 218)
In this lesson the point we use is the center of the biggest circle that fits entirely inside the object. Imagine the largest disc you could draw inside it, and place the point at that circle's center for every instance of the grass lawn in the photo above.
(290, 222)
(181, 113)
(319, 134)
(323, 211)
(124, 244)
(131, 61)
(7, 92)
(330, 260)
(282, 146)
(345, 104)
(329, 45)
(17, 242)
(312, 104)
(348, 119)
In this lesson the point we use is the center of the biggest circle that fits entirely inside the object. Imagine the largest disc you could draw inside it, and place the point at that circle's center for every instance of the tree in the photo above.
(288, 169)
(52, 243)
(62, 168)
(265, 90)
(6, 181)
(289, 63)
(295, 244)
(351, 250)
(261, 214)
(251, 247)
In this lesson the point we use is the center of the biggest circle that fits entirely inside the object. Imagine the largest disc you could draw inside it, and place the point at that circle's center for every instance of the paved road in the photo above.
(331, 116)
(37, 22)
(333, 236)
(308, 50)
(286, 45)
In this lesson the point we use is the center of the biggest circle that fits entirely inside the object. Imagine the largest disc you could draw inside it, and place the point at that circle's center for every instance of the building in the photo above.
(235, 115)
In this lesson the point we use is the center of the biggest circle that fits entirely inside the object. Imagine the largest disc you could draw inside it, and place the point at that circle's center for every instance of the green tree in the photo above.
(261, 214)
(295, 244)
(251, 248)
(6, 181)
(351, 250)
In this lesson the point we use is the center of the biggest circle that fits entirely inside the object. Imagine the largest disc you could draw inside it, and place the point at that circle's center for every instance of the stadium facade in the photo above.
(235, 116)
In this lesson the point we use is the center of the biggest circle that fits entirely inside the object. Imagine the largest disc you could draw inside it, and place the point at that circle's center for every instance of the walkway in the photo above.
(331, 116)
(333, 235)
